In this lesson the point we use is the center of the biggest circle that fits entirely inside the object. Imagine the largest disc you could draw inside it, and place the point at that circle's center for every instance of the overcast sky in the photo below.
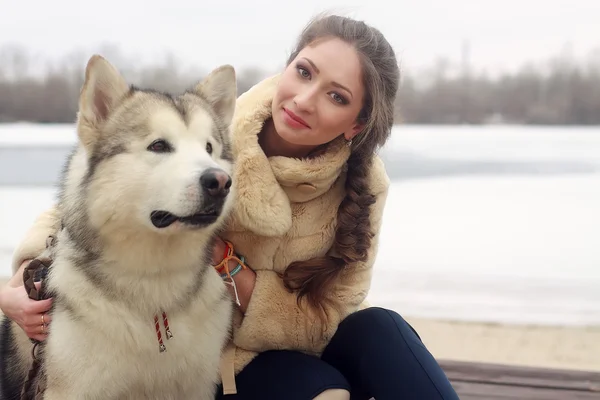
(206, 33)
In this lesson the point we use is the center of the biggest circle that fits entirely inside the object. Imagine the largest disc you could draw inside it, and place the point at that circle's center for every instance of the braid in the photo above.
(312, 279)
(353, 236)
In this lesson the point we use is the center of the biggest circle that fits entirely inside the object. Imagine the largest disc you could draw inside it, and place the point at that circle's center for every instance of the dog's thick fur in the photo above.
(118, 262)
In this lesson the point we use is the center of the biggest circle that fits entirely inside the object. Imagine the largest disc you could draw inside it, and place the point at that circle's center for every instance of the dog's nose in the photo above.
(215, 182)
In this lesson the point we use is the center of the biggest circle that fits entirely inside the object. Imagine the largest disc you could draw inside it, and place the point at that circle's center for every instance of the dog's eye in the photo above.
(159, 146)
(209, 148)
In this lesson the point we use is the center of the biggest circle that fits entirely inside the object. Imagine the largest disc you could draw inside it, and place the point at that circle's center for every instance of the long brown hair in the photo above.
(313, 279)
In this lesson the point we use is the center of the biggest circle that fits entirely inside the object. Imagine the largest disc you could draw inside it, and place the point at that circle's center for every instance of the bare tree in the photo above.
(561, 90)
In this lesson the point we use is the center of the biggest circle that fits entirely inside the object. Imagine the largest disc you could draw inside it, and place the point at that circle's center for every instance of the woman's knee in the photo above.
(371, 314)
(334, 394)
(380, 354)
(373, 319)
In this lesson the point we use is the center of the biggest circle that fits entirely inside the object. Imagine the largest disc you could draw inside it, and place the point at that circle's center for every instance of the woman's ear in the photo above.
(356, 129)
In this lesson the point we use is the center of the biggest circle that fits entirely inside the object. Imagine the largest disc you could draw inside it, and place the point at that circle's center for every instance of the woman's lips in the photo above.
(293, 120)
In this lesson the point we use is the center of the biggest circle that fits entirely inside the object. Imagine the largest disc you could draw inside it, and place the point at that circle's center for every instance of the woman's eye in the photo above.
(209, 148)
(159, 146)
(339, 99)
(303, 72)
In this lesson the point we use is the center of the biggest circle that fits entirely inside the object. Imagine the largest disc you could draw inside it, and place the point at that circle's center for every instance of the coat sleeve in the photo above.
(34, 241)
(273, 320)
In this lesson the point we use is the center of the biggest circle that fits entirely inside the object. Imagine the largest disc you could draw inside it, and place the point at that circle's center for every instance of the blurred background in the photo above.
(490, 242)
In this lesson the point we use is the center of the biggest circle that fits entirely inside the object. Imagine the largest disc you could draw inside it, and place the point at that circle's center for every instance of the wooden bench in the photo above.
(485, 381)
(495, 381)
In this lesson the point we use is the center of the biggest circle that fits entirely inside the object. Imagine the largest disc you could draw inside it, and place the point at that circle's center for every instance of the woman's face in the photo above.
(320, 95)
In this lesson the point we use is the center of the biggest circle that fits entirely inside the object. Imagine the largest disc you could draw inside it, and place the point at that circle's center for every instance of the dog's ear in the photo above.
(219, 88)
(102, 88)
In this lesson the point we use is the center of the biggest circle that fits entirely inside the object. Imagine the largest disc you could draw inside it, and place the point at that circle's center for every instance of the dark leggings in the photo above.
(374, 353)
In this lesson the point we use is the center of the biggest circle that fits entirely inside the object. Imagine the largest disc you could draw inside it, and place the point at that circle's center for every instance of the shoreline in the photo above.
(563, 347)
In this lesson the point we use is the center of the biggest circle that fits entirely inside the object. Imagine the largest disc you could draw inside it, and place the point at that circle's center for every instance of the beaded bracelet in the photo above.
(234, 271)
(229, 255)
(224, 266)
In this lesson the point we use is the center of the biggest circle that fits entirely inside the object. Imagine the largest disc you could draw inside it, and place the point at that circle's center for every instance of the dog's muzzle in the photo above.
(215, 184)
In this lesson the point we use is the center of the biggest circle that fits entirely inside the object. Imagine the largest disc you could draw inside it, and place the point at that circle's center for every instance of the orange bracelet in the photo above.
(226, 256)
(223, 266)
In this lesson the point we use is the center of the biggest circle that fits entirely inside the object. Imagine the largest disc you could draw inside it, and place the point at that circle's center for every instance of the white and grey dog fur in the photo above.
(142, 197)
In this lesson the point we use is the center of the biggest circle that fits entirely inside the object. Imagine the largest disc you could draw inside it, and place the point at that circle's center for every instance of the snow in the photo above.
(28, 134)
(496, 223)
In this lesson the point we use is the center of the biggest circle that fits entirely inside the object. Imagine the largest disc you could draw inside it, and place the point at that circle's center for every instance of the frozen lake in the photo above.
(488, 223)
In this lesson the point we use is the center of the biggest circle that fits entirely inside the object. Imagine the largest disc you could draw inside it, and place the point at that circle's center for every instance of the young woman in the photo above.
(310, 198)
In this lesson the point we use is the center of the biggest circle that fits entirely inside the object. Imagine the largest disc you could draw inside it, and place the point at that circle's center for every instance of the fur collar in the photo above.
(266, 186)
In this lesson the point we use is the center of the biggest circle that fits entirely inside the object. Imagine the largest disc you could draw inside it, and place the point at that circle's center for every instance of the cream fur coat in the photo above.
(285, 211)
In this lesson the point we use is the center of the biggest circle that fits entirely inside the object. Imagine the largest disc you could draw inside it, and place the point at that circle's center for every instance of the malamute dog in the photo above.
(138, 311)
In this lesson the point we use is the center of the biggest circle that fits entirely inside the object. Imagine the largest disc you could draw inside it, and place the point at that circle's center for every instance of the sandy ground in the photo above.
(540, 346)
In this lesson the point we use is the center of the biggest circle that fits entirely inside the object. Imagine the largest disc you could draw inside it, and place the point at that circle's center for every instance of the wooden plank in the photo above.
(521, 376)
(487, 391)
(497, 381)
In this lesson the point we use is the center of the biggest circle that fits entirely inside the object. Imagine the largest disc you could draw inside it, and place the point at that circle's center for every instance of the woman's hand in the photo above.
(244, 280)
(29, 314)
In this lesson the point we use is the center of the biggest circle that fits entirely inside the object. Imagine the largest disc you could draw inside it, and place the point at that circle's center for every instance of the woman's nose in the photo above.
(306, 100)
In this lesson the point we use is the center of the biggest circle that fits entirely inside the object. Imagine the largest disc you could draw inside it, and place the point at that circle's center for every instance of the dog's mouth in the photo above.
(163, 219)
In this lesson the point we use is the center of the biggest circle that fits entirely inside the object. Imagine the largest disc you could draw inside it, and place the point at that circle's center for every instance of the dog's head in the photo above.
(152, 159)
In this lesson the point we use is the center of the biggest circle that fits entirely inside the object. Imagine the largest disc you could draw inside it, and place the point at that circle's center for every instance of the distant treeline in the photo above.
(559, 92)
